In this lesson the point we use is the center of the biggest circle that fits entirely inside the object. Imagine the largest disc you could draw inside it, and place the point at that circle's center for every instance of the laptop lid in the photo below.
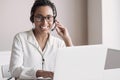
(112, 59)
(80, 63)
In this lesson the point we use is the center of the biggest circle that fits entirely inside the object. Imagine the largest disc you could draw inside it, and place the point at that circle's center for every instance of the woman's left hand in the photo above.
(63, 32)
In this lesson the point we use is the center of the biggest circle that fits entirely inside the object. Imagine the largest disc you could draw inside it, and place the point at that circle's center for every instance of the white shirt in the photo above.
(26, 56)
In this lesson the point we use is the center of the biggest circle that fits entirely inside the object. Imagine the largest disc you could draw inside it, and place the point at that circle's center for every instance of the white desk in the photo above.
(112, 74)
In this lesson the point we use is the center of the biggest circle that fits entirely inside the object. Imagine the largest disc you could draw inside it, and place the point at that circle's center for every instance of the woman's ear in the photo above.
(33, 25)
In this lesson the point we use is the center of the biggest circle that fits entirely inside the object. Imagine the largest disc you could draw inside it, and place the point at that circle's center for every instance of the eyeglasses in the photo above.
(40, 18)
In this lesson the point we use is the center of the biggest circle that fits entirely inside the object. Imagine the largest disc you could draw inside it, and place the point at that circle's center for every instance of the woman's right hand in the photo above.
(44, 74)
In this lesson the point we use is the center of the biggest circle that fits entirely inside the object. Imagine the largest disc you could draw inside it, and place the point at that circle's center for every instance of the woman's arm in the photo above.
(63, 32)
(16, 63)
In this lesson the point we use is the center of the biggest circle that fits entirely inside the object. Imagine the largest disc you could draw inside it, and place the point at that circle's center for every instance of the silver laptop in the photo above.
(112, 59)
(80, 63)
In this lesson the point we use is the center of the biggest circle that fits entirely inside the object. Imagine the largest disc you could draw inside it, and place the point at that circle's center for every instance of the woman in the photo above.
(33, 52)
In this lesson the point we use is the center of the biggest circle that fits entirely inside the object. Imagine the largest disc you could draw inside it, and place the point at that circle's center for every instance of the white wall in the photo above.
(14, 18)
(111, 23)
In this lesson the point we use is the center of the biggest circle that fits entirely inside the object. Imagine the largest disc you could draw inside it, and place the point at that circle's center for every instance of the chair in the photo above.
(4, 65)
(5, 72)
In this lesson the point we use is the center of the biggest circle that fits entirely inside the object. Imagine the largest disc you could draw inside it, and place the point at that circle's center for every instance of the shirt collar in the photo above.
(31, 38)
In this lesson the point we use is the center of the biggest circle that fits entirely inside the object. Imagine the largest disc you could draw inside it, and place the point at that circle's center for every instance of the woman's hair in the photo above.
(39, 3)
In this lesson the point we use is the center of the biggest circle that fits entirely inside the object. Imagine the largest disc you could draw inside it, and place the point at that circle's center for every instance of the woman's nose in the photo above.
(44, 22)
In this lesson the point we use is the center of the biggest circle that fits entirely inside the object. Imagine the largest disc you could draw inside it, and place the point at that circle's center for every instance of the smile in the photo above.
(43, 27)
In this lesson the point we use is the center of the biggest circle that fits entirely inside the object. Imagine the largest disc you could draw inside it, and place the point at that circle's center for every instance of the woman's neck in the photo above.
(41, 36)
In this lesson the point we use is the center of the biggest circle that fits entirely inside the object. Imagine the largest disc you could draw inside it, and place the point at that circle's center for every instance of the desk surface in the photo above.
(112, 74)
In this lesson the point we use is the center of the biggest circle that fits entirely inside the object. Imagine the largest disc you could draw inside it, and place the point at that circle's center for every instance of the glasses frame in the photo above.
(40, 18)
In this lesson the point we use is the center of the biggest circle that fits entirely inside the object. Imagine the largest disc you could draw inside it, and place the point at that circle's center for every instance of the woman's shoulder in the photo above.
(23, 33)
(56, 41)
(54, 38)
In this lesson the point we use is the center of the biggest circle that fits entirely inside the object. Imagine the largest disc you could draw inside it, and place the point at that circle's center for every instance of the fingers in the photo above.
(59, 27)
(48, 74)
(45, 74)
(58, 24)
(62, 31)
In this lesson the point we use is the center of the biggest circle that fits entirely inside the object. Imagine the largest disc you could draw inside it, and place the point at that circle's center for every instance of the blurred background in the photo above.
(88, 21)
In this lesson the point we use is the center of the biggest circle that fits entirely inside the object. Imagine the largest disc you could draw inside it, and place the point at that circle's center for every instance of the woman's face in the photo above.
(43, 19)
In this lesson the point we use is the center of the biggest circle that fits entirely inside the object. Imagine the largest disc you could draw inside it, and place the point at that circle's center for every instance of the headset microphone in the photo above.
(53, 28)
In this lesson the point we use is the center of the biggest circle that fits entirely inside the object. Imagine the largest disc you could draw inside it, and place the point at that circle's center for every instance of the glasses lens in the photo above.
(49, 18)
(40, 18)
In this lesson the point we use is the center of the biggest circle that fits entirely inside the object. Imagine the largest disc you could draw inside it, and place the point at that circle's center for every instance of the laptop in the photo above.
(80, 63)
(112, 59)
